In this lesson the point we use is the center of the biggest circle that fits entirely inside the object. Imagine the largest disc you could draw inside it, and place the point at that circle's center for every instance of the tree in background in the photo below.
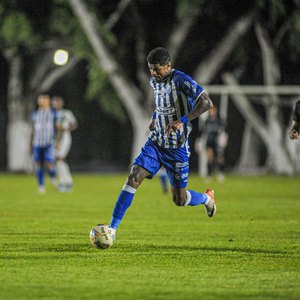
(206, 38)
(134, 92)
(27, 47)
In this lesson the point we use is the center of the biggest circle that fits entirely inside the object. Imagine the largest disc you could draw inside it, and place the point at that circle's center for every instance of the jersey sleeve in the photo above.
(190, 87)
(296, 114)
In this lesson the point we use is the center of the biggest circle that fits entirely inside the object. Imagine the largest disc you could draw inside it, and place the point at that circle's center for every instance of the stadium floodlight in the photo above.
(61, 57)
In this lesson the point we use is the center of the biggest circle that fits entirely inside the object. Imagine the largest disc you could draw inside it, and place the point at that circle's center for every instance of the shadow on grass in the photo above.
(80, 250)
(178, 248)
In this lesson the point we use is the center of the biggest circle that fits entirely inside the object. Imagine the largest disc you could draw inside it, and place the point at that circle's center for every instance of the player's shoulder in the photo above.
(181, 78)
(177, 74)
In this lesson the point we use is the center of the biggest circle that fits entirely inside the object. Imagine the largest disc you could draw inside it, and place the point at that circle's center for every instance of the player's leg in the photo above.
(135, 178)
(163, 178)
(63, 169)
(183, 197)
(220, 164)
(178, 172)
(145, 165)
(210, 161)
(50, 164)
(39, 170)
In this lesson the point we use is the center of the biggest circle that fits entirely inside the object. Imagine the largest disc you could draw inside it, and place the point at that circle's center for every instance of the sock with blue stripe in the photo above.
(164, 182)
(39, 172)
(194, 198)
(122, 204)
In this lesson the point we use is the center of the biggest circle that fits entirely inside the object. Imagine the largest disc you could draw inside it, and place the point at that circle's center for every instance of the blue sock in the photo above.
(194, 198)
(123, 202)
(39, 172)
(164, 182)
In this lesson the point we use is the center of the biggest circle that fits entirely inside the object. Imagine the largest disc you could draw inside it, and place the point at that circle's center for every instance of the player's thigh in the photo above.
(176, 164)
(149, 159)
(37, 154)
(209, 153)
(49, 155)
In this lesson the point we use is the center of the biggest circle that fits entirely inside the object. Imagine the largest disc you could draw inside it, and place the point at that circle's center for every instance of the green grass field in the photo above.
(249, 250)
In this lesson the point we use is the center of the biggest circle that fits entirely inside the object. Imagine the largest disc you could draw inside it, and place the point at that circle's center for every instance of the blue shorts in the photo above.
(176, 162)
(46, 153)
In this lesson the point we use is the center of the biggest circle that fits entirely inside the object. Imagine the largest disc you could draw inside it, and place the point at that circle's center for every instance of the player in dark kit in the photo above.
(179, 99)
(295, 130)
(214, 137)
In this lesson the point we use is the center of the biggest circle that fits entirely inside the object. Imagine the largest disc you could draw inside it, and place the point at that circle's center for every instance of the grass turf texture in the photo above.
(249, 250)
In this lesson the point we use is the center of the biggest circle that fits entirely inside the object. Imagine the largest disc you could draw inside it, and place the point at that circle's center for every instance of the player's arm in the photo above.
(58, 130)
(152, 122)
(73, 122)
(204, 104)
(295, 130)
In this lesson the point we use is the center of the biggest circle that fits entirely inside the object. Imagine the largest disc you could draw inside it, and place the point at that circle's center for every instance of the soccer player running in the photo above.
(63, 145)
(46, 124)
(295, 130)
(179, 100)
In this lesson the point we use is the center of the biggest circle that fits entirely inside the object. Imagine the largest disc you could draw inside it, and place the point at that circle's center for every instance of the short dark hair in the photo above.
(159, 56)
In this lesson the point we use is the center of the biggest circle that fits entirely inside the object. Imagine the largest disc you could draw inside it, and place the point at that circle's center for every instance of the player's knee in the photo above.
(135, 177)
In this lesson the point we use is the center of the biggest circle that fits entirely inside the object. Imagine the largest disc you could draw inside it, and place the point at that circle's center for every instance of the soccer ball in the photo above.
(100, 236)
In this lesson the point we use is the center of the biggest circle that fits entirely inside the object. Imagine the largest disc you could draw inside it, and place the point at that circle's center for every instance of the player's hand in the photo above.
(293, 134)
(152, 124)
(174, 125)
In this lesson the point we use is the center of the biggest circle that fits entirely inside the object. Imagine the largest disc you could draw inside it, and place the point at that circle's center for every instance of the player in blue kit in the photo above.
(178, 99)
(46, 124)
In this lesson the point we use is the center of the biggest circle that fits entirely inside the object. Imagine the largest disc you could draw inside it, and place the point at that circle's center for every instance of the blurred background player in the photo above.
(294, 132)
(214, 138)
(46, 125)
(63, 145)
(178, 99)
(163, 179)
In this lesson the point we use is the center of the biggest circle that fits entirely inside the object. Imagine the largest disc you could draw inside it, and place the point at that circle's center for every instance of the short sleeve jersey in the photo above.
(174, 98)
(44, 122)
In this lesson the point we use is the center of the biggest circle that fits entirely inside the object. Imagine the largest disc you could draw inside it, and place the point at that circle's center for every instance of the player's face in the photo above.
(158, 72)
(44, 101)
(57, 103)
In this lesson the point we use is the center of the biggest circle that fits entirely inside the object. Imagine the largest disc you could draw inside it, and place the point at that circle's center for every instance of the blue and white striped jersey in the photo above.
(174, 98)
(44, 121)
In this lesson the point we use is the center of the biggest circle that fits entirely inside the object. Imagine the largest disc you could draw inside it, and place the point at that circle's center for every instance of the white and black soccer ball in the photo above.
(101, 237)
